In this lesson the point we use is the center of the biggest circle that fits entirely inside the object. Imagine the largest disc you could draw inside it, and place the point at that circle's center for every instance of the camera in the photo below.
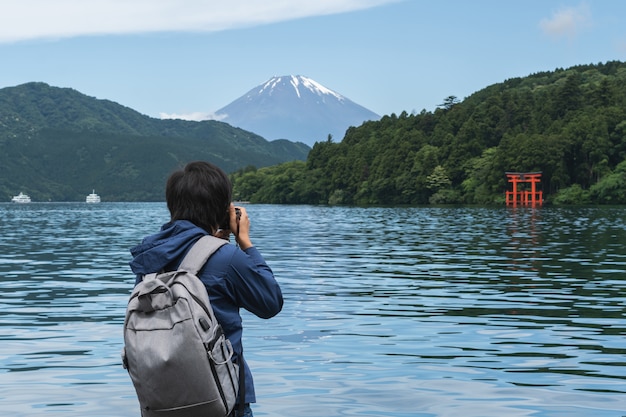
(226, 222)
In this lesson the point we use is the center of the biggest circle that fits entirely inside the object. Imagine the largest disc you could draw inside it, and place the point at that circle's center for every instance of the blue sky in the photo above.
(191, 57)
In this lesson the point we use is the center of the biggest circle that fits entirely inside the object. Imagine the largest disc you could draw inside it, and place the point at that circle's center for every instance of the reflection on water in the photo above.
(388, 312)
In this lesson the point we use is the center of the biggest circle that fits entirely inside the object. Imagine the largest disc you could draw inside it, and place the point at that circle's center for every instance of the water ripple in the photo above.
(389, 311)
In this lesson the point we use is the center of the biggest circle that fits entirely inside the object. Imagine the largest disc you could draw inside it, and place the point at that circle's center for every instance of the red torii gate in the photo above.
(532, 197)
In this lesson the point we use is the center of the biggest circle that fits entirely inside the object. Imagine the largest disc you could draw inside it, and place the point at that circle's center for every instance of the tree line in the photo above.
(569, 124)
(57, 144)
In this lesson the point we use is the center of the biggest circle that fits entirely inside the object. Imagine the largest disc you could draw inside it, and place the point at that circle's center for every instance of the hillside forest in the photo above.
(568, 124)
(57, 144)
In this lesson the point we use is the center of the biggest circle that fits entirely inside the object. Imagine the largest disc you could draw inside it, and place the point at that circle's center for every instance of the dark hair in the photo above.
(201, 193)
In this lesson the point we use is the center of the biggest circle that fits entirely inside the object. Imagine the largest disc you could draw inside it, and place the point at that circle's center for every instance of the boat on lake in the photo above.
(21, 198)
(93, 197)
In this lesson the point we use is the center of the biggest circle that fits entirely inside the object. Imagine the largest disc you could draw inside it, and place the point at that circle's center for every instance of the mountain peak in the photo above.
(298, 82)
(296, 108)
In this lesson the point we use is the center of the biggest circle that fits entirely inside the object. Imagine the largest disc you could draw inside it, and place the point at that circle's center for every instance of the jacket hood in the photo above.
(158, 251)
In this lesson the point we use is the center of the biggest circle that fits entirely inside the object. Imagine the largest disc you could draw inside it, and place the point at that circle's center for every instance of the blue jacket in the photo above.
(234, 279)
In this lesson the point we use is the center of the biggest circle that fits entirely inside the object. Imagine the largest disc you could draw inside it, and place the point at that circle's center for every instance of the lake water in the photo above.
(472, 312)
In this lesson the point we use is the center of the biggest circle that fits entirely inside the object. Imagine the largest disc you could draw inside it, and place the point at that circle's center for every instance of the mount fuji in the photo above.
(296, 108)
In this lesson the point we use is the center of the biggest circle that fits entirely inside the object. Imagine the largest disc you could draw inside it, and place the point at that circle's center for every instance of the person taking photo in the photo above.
(236, 276)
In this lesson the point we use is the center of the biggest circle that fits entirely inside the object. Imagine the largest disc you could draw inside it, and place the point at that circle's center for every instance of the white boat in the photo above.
(21, 198)
(93, 197)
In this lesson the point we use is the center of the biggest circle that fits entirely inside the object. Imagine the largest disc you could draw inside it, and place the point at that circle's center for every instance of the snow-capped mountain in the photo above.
(296, 108)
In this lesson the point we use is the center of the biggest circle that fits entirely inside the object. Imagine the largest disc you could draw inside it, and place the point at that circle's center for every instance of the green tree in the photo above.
(612, 188)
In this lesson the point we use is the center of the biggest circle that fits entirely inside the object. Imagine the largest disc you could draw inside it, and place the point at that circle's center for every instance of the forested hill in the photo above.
(570, 124)
(57, 144)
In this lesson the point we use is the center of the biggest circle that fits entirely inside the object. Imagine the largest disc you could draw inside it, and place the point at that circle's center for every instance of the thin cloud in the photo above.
(194, 116)
(567, 22)
(45, 19)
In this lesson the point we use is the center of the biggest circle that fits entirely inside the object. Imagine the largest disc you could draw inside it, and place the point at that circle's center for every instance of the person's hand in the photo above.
(240, 226)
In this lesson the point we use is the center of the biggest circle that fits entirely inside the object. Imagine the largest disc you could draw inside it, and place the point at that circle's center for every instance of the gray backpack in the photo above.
(174, 349)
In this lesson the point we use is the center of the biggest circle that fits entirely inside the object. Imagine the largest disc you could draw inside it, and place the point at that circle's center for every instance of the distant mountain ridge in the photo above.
(58, 144)
(569, 124)
(296, 108)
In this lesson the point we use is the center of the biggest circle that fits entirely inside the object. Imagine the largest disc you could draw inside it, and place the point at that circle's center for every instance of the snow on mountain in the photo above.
(296, 81)
(296, 108)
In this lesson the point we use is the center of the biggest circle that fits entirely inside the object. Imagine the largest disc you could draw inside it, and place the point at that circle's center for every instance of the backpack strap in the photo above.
(195, 259)
(200, 252)
(242, 384)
